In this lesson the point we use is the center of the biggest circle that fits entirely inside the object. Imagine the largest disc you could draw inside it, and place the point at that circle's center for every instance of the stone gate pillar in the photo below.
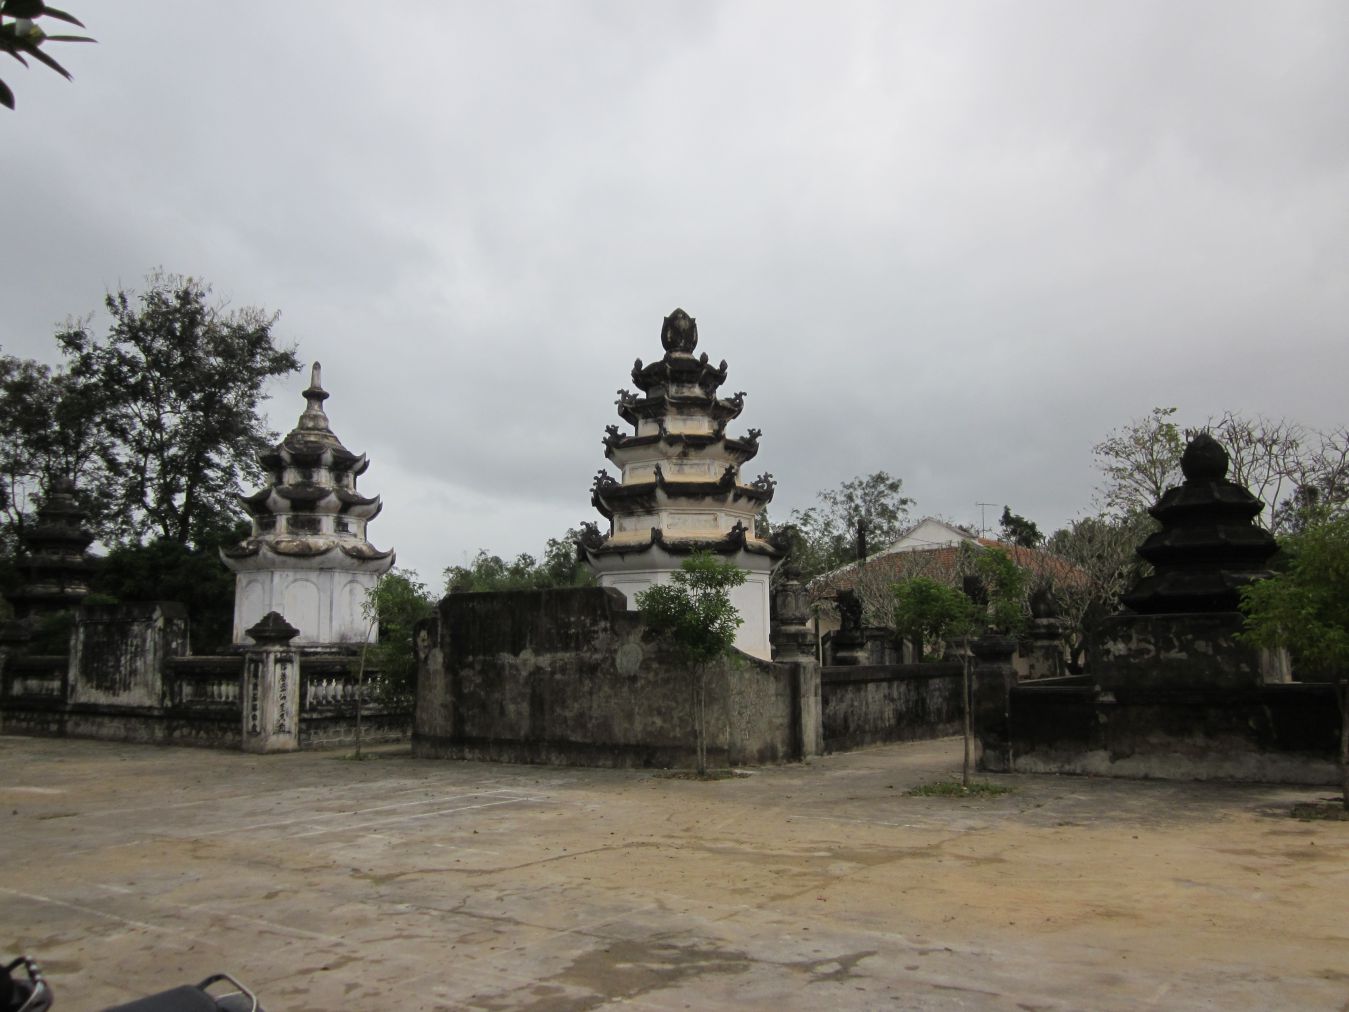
(272, 687)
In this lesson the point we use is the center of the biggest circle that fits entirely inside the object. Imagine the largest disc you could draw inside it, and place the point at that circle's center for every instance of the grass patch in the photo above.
(1328, 811)
(954, 789)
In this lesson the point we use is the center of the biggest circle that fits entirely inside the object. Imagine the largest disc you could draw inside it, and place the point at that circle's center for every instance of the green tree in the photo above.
(164, 570)
(184, 380)
(829, 531)
(694, 609)
(51, 427)
(23, 38)
(395, 604)
(398, 601)
(1018, 530)
(1003, 586)
(927, 611)
(1305, 609)
(559, 567)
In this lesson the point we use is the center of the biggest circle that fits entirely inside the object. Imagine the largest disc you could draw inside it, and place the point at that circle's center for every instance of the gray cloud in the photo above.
(957, 242)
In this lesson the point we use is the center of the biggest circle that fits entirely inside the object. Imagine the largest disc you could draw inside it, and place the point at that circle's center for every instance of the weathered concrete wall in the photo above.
(127, 682)
(119, 651)
(572, 677)
(869, 704)
(1278, 733)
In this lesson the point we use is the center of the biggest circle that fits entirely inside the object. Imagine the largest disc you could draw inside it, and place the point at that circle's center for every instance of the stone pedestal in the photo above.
(793, 634)
(1046, 659)
(1182, 649)
(272, 688)
(992, 680)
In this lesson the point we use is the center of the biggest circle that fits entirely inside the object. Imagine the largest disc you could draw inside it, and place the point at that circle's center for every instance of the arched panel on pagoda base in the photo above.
(324, 603)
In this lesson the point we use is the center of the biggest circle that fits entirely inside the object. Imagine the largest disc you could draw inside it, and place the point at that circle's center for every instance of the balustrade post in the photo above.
(271, 687)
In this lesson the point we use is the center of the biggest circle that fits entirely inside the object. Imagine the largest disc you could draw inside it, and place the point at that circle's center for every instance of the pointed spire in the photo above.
(314, 419)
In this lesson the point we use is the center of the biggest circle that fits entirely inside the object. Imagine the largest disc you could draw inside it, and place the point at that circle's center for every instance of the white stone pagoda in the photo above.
(680, 489)
(308, 557)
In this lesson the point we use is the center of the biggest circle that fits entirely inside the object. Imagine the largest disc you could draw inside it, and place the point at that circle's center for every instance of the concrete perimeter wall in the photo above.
(871, 704)
(572, 677)
(1276, 733)
(129, 678)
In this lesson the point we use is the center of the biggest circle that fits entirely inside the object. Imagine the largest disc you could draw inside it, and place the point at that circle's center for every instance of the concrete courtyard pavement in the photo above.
(409, 884)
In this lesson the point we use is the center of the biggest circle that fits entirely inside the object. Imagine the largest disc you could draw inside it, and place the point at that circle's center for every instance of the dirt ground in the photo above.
(400, 883)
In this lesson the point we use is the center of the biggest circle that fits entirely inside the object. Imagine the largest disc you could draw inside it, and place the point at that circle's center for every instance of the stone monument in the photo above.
(308, 558)
(1182, 619)
(680, 489)
(55, 563)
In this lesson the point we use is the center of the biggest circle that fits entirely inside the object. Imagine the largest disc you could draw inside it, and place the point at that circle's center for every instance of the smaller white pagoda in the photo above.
(308, 557)
(681, 490)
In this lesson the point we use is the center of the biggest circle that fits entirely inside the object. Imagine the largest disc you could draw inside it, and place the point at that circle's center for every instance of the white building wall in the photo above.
(324, 604)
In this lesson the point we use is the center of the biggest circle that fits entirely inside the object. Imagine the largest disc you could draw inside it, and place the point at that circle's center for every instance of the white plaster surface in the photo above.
(324, 604)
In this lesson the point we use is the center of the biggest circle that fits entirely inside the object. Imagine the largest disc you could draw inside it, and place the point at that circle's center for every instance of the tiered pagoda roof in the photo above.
(680, 486)
(1209, 546)
(55, 564)
(310, 506)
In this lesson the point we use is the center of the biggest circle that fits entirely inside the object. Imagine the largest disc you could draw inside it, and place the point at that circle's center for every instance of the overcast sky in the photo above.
(956, 242)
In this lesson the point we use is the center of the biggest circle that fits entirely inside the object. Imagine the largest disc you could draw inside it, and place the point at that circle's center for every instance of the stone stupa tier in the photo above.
(1209, 545)
(308, 557)
(680, 488)
(54, 563)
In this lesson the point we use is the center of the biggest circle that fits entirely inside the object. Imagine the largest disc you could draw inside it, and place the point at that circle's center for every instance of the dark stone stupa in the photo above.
(55, 564)
(1209, 546)
(1181, 626)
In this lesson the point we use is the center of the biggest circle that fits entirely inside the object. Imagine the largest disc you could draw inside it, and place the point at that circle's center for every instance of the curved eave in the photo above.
(303, 548)
(627, 448)
(280, 500)
(1206, 498)
(677, 367)
(732, 543)
(660, 405)
(609, 499)
(59, 538)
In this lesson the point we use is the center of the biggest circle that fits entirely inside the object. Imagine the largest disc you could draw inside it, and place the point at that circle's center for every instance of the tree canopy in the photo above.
(1293, 469)
(828, 531)
(398, 601)
(927, 611)
(559, 567)
(182, 380)
(1305, 608)
(1018, 530)
(694, 609)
